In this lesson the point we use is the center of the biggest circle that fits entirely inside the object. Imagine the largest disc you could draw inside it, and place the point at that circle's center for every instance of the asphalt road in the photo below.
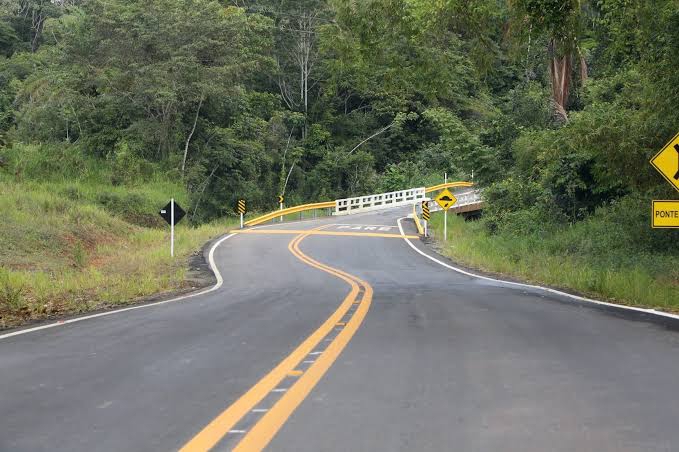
(335, 343)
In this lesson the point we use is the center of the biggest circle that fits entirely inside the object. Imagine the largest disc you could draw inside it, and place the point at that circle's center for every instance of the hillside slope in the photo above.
(67, 248)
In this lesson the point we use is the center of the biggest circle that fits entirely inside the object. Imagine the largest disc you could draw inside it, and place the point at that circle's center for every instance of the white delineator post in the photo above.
(445, 215)
(172, 227)
(281, 215)
(241, 220)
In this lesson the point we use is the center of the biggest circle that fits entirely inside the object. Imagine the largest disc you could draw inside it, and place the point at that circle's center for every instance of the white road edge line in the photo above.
(530, 286)
(213, 266)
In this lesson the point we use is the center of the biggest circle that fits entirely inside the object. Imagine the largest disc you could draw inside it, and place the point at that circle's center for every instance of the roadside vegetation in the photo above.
(592, 258)
(75, 244)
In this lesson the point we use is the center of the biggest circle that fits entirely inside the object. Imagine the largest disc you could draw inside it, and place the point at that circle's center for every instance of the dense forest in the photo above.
(552, 106)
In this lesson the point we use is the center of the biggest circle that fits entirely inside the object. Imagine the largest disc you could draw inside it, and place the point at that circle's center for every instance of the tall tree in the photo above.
(560, 22)
(151, 65)
(296, 49)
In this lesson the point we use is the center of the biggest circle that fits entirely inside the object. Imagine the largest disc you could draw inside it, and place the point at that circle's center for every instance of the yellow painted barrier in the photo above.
(331, 204)
(418, 223)
(449, 185)
(288, 211)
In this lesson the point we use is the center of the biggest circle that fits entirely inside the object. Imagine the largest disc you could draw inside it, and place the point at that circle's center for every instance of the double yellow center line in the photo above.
(346, 319)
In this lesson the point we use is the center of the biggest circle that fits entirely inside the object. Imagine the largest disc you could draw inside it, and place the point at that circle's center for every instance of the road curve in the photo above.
(336, 335)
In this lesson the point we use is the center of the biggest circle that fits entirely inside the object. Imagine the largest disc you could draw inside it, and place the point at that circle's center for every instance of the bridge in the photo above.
(469, 203)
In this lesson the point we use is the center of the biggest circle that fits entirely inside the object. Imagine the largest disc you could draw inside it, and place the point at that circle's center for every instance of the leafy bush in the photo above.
(126, 167)
(520, 206)
(402, 175)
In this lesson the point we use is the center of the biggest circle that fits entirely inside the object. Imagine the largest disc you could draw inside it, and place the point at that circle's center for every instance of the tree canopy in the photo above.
(554, 106)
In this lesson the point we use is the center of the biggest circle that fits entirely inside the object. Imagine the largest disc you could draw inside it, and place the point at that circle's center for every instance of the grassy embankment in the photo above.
(70, 245)
(581, 258)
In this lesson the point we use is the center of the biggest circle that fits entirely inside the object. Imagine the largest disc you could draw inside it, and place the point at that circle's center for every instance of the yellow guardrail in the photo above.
(418, 223)
(448, 185)
(331, 204)
(288, 211)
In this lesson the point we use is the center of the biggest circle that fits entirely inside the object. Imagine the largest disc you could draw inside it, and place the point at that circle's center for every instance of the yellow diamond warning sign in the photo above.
(667, 162)
(446, 199)
(666, 214)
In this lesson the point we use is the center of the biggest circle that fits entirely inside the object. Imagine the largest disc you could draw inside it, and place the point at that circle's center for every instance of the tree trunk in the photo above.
(306, 25)
(560, 76)
(188, 139)
(285, 154)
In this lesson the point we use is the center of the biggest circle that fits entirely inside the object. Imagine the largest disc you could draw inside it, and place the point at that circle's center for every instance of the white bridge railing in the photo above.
(414, 196)
(360, 204)
(466, 198)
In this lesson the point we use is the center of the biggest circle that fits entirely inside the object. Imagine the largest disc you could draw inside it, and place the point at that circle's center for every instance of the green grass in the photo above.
(577, 258)
(72, 247)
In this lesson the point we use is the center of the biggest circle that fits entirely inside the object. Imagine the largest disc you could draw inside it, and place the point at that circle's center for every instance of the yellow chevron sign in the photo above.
(241, 206)
(426, 213)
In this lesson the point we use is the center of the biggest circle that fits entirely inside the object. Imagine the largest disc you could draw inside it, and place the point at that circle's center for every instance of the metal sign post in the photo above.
(426, 216)
(241, 209)
(445, 215)
(280, 202)
(172, 227)
(173, 214)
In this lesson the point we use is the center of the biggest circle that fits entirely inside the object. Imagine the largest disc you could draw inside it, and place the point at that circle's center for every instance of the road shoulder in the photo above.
(429, 248)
